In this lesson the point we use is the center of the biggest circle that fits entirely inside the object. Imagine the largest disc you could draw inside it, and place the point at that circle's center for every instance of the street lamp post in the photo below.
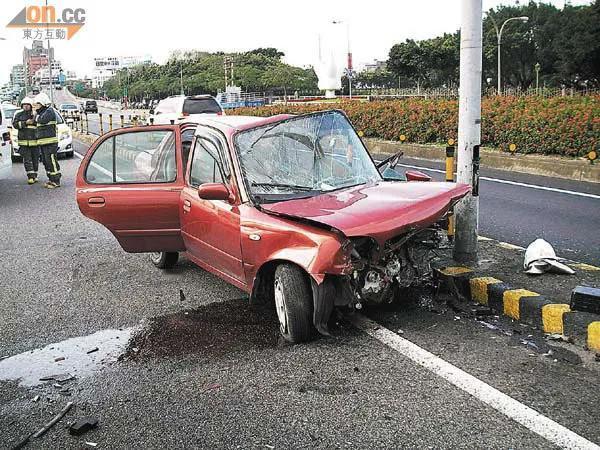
(537, 77)
(499, 39)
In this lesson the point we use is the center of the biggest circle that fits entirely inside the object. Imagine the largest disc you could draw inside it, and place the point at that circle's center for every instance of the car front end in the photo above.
(360, 238)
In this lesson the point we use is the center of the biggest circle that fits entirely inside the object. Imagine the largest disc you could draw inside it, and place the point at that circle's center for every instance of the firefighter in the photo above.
(28, 147)
(47, 138)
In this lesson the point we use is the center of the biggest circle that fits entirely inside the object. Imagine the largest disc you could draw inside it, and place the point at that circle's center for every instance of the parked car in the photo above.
(65, 139)
(291, 209)
(68, 109)
(90, 106)
(178, 107)
(7, 112)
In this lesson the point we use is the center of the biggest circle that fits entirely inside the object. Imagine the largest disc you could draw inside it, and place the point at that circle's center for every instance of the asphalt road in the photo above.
(204, 370)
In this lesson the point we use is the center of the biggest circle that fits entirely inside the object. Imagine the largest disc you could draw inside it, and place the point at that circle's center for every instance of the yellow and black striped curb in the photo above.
(523, 305)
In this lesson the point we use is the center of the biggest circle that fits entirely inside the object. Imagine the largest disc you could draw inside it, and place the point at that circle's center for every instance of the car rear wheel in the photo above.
(293, 303)
(164, 260)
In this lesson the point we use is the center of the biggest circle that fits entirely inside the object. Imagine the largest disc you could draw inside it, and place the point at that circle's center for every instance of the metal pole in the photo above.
(499, 37)
(450, 179)
(469, 129)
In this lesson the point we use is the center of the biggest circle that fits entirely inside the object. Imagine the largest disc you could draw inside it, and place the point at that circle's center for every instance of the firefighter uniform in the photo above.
(47, 139)
(27, 141)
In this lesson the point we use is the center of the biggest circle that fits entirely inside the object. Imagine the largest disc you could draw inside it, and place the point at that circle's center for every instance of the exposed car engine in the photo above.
(403, 262)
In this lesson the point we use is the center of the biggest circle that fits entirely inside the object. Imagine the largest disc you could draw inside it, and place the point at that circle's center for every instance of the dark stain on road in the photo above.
(213, 329)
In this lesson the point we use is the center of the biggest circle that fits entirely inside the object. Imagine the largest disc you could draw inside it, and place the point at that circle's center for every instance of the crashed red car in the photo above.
(291, 209)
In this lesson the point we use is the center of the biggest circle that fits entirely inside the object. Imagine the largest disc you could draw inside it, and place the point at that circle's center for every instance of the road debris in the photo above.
(540, 257)
(212, 387)
(586, 299)
(92, 350)
(181, 295)
(91, 444)
(60, 378)
(35, 399)
(58, 359)
(83, 425)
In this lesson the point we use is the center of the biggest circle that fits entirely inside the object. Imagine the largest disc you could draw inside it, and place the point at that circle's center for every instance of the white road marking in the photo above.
(513, 183)
(526, 416)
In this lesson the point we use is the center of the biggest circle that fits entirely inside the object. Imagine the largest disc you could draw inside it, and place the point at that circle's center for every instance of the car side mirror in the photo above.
(214, 191)
(415, 175)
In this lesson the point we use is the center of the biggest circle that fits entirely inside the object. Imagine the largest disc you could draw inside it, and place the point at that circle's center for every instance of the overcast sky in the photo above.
(132, 27)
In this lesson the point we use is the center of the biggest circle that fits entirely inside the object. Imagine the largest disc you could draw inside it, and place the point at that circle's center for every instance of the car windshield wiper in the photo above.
(285, 186)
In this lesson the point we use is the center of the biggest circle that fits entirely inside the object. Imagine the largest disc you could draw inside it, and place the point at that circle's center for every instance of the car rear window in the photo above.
(90, 102)
(201, 106)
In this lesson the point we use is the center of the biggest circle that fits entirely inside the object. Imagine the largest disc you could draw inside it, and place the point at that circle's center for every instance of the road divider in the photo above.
(551, 315)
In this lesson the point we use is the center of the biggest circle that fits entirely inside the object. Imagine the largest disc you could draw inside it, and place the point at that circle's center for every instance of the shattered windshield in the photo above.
(304, 156)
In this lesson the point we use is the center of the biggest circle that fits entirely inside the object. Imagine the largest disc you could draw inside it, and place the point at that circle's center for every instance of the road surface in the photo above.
(206, 371)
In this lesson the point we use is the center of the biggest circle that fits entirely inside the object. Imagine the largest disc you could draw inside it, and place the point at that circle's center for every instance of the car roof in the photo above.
(234, 123)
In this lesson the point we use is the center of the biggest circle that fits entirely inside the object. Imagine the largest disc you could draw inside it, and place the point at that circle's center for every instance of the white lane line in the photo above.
(513, 183)
(526, 416)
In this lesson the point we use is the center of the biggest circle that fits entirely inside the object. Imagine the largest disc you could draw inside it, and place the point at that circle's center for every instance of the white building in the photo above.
(106, 67)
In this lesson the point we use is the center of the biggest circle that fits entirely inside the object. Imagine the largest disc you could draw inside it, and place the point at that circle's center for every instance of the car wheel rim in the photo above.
(280, 306)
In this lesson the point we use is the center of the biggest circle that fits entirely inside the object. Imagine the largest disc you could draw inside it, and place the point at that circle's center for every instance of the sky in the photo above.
(136, 28)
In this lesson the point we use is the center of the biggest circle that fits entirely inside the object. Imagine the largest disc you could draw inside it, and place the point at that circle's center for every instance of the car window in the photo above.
(135, 157)
(187, 136)
(201, 106)
(59, 118)
(205, 164)
(9, 113)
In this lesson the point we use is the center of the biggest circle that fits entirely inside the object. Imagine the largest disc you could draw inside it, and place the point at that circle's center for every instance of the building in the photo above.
(17, 75)
(106, 67)
(41, 75)
(35, 58)
(375, 66)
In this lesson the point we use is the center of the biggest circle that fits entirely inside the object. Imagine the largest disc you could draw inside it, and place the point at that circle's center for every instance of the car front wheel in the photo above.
(293, 303)
(164, 260)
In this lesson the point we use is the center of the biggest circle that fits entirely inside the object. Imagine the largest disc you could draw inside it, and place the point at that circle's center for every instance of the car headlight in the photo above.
(64, 135)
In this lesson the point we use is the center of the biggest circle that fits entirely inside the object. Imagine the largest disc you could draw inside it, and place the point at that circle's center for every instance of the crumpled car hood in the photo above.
(381, 211)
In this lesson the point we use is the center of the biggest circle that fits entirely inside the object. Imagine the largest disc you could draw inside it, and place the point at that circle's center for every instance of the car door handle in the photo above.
(96, 202)
(187, 205)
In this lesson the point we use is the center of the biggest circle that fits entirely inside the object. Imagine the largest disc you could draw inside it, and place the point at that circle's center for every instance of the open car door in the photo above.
(130, 181)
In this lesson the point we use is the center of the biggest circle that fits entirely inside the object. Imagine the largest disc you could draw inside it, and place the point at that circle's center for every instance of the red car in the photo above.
(291, 209)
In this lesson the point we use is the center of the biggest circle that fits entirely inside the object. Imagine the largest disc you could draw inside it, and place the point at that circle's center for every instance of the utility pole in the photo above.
(469, 129)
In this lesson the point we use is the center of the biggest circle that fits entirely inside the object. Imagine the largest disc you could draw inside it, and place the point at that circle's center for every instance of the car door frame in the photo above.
(114, 204)
(190, 199)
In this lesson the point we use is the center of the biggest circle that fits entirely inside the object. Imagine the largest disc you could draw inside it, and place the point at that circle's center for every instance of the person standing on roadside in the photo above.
(47, 138)
(25, 124)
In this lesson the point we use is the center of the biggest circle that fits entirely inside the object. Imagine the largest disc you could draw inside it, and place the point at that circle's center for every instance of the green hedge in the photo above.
(568, 126)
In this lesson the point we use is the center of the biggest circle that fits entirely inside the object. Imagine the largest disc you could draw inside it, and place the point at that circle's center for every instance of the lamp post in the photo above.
(499, 38)
(537, 77)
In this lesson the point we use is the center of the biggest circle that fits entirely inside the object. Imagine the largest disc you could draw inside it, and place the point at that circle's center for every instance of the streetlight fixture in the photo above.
(499, 37)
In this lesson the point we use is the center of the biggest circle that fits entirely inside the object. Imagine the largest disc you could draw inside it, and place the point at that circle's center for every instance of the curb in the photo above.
(522, 305)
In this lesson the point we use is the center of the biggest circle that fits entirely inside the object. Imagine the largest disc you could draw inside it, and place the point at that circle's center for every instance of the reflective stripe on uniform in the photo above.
(54, 165)
(48, 140)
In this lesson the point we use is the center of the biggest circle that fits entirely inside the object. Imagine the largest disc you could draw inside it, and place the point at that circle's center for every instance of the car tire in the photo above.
(293, 303)
(164, 260)
(16, 159)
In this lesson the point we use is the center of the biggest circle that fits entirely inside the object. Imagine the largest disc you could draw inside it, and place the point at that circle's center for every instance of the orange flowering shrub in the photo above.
(567, 126)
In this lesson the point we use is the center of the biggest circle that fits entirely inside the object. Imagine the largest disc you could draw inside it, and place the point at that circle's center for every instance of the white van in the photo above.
(178, 107)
